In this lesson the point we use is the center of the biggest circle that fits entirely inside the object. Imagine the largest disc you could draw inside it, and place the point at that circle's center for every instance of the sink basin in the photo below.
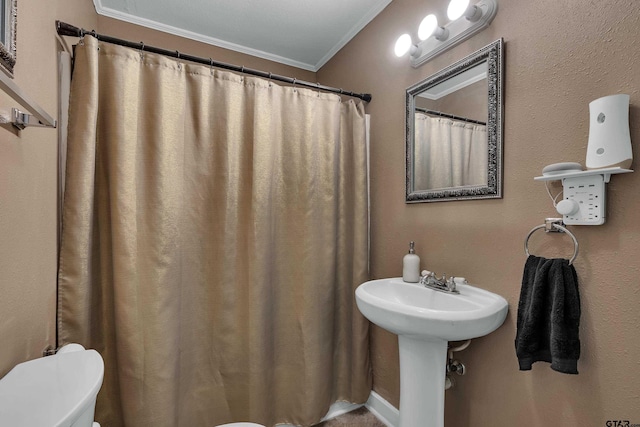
(425, 320)
(413, 309)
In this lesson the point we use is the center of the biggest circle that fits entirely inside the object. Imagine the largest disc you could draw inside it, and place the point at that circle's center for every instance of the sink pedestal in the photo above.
(422, 377)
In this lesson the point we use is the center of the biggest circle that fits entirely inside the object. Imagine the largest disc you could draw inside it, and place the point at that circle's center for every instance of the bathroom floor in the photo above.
(361, 417)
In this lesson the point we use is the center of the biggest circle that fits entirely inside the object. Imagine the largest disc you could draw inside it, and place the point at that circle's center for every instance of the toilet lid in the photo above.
(50, 390)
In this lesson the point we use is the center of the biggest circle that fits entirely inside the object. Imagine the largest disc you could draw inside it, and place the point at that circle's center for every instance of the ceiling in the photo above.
(300, 33)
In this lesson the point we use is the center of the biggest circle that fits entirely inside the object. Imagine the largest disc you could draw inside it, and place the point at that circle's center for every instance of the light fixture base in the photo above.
(459, 30)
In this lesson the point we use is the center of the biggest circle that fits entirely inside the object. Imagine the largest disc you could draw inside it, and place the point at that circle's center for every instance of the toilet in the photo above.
(56, 391)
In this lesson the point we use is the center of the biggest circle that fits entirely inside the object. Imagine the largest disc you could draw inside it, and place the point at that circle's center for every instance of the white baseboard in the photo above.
(383, 410)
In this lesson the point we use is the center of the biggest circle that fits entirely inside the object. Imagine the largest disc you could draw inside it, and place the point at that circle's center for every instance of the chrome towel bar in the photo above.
(553, 225)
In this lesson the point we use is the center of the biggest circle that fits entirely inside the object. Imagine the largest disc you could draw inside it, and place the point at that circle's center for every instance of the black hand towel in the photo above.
(549, 315)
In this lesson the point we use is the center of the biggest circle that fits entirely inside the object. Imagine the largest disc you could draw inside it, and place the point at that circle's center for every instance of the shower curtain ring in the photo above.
(141, 50)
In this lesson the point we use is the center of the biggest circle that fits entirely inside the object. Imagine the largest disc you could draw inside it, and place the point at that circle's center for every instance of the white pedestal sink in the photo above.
(425, 320)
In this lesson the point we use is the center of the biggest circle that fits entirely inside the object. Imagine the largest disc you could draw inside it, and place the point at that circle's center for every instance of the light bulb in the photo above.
(427, 27)
(457, 8)
(403, 45)
(473, 13)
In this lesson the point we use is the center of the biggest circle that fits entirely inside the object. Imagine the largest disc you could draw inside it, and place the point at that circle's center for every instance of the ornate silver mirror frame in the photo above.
(493, 56)
(8, 24)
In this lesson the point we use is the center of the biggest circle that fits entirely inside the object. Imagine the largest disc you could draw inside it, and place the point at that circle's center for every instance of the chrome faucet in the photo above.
(429, 279)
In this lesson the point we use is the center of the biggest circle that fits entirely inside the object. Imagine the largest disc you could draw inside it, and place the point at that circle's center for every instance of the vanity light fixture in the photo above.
(436, 39)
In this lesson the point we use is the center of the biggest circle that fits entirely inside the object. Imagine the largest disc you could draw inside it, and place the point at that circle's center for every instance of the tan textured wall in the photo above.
(28, 176)
(559, 56)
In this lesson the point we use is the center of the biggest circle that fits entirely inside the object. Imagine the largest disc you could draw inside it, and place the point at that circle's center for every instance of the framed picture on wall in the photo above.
(8, 24)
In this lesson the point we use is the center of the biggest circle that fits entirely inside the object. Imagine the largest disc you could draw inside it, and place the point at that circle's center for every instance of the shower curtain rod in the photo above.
(65, 29)
(449, 116)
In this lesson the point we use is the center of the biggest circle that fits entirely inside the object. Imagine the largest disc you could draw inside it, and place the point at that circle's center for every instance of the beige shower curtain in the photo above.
(214, 231)
(449, 153)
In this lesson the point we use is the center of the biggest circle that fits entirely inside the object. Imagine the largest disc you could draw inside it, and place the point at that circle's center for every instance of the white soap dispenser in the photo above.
(411, 266)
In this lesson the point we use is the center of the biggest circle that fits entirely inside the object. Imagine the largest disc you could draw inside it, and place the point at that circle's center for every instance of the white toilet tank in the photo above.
(54, 391)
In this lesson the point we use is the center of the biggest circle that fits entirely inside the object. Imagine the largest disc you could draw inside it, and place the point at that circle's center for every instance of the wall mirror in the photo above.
(454, 130)
(8, 24)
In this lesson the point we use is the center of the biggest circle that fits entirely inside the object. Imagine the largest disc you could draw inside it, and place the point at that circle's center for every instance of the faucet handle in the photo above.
(424, 276)
(451, 283)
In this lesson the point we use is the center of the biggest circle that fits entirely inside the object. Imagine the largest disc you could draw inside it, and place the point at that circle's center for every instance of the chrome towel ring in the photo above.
(553, 225)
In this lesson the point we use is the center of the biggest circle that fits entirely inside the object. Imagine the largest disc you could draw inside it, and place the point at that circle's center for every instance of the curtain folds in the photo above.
(214, 231)
(449, 153)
